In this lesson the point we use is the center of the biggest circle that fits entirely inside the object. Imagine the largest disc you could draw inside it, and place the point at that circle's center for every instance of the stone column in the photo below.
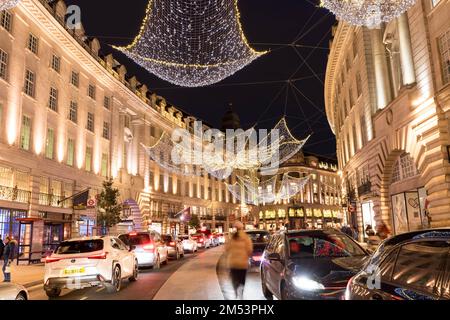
(406, 56)
(384, 95)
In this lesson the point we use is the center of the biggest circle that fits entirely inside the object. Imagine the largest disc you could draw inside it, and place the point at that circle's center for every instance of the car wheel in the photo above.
(53, 293)
(116, 281)
(21, 296)
(135, 275)
(157, 263)
(167, 259)
(266, 292)
(177, 256)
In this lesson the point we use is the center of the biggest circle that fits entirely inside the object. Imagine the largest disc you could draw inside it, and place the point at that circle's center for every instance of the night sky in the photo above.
(268, 25)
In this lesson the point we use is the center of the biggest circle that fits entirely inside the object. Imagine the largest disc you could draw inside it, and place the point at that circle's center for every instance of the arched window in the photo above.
(404, 168)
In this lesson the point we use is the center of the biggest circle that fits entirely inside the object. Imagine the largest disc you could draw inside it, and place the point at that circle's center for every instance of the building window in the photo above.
(91, 91)
(75, 79)
(25, 134)
(404, 168)
(5, 20)
(152, 132)
(49, 144)
(33, 43)
(127, 122)
(354, 48)
(363, 131)
(53, 99)
(107, 103)
(73, 112)
(88, 159)
(90, 122)
(1, 119)
(56, 63)
(355, 139)
(358, 85)
(70, 151)
(444, 46)
(106, 130)
(3, 65)
(30, 79)
(104, 165)
(350, 95)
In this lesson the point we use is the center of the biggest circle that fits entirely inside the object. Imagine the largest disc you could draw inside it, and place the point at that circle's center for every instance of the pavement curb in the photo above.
(33, 284)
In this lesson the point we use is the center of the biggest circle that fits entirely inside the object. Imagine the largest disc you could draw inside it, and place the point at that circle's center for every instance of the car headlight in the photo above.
(307, 284)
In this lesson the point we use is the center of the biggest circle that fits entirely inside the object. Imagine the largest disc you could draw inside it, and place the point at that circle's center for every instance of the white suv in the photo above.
(89, 262)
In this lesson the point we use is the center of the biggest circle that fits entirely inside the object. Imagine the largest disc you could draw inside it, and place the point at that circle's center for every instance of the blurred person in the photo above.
(369, 231)
(8, 257)
(238, 250)
(2, 247)
(383, 231)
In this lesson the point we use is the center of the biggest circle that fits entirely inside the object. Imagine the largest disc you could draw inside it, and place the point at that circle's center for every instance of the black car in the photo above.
(410, 266)
(310, 264)
(260, 239)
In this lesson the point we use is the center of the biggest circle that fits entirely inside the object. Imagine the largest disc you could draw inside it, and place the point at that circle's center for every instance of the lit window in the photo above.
(73, 112)
(5, 20)
(404, 168)
(88, 159)
(56, 63)
(53, 100)
(3, 65)
(75, 79)
(25, 134)
(49, 144)
(444, 46)
(104, 165)
(90, 122)
(70, 151)
(33, 43)
(30, 79)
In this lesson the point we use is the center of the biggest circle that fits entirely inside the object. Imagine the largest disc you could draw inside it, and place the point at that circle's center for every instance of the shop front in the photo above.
(409, 211)
(57, 228)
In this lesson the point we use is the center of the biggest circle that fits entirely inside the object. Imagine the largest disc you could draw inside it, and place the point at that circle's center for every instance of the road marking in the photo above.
(100, 289)
(84, 298)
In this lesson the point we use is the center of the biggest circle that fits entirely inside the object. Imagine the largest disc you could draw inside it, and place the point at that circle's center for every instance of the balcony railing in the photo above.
(14, 194)
(54, 201)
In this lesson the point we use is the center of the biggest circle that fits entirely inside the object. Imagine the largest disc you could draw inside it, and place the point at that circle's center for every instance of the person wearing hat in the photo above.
(238, 250)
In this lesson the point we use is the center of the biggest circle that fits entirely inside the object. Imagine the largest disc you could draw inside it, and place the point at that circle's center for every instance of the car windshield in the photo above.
(259, 237)
(135, 240)
(322, 246)
(82, 246)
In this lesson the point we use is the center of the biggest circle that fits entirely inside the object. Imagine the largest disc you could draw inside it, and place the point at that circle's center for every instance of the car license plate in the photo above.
(72, 271)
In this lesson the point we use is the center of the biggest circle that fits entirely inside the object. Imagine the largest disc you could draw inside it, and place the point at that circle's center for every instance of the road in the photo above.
(148, 284)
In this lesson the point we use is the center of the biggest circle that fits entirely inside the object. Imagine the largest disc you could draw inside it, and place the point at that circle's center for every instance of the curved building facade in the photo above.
(387, 96)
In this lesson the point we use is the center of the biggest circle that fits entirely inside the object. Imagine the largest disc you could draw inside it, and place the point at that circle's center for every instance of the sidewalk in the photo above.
(195, 280)
(27, 275)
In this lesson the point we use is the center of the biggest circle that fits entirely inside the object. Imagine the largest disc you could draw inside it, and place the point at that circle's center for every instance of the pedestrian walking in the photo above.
(239, 249)
(8, 257)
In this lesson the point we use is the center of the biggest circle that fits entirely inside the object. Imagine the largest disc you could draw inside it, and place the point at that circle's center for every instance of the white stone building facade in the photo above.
(387, 95)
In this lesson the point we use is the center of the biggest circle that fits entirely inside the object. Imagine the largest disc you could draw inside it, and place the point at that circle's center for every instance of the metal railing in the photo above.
(14, 194)
(54, 201)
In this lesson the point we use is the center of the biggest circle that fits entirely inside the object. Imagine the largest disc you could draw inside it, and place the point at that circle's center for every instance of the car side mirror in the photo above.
(274, 257)
(132, 248)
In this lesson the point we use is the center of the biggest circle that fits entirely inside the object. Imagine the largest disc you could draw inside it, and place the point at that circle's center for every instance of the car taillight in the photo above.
(172, 244)
(150, 247)
(99, 256)
(50, 260)
(201, 240)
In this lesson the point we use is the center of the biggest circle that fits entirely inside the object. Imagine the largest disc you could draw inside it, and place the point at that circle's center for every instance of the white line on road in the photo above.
(100, 289)
(84, 298)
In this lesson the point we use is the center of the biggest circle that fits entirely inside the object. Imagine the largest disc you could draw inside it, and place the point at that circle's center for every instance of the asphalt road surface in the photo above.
(148, 284)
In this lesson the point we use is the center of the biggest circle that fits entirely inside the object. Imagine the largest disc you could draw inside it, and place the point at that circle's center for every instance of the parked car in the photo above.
(310, 264)
(260, 239)
(189, 244)
(174, 245)
(150, 250)
(89, 262)
(410, 266)
(12, 291)
(202, 240)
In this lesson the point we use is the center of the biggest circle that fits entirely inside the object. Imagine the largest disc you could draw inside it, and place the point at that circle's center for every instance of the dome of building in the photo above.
(231, 120)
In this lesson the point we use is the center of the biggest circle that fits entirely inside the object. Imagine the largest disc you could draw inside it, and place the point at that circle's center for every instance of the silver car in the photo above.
(12, 291)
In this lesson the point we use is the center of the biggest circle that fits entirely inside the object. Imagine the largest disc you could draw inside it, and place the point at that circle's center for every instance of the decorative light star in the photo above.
(370, 13)
(191, 43)
(8, 4)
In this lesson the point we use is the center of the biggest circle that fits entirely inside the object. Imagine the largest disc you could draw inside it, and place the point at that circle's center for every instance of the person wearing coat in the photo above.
(239, 249)
(9, 254)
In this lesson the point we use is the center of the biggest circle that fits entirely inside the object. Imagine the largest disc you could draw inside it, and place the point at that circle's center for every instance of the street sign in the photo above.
(92, 203)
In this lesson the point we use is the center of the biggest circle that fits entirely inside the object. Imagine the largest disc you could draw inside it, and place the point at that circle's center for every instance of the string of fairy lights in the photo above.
(8, 4)
(191, 43)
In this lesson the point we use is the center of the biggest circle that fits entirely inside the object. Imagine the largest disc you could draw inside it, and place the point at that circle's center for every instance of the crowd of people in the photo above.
(7, 254)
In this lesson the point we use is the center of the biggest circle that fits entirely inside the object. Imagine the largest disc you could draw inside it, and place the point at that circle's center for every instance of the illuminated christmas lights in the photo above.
(191, 43)
(370, 13)
(8, 4)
